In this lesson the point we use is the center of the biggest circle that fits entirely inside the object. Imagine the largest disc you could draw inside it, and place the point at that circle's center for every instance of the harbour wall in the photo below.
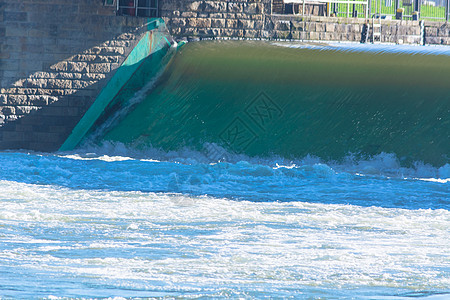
(56, 56)
(248, 19)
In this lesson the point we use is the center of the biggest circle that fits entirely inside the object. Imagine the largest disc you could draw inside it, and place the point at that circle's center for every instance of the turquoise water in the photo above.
(158, 205)
(264, 99)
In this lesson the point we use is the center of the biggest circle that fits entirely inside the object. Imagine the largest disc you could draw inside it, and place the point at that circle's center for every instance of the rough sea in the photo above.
(339, 189)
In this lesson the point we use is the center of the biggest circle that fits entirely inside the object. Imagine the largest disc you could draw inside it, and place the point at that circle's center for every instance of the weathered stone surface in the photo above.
(314, 36)
(215, 6)
(23, 110)
(282, 25)
(251, 33)
(246, 24)
(433, 40)
(100, 68)
(19, 83)
(320, 27)
(195, 5)
(77, 67)
(188, 14)
(43, 75)
(93, 76)
(7, 110)
(216, 15)
(254, 8)
(39, 100)
(64, 75)
(297, 25)
(17, 99)
(39, 83)
(235, 7)
(3, 99)
(60, 66)
(84, 57)
(199, 22)
(112, 50)
(330, 27)
(81, 84)
(178, 22)
(231, 23)
(59, 84)
(46, 60)
(218, 22)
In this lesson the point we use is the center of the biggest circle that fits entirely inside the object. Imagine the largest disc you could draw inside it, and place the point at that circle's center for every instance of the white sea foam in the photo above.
(385, 164)
(175, 244)
(154, 224)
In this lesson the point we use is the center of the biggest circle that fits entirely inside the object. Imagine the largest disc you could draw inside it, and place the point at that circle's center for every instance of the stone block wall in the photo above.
(401, 32)
(437, 33)
(263, 19)
(210, 19)
(315, 28)
(55, 56)
(341, 29)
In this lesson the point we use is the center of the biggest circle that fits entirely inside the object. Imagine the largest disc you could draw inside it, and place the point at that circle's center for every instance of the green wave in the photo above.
(262, 99)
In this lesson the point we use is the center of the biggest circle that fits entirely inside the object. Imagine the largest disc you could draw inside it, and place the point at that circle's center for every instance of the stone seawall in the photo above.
(258, 19)
(55, 57)
(215, 18)
(437, 33)
(343, 29)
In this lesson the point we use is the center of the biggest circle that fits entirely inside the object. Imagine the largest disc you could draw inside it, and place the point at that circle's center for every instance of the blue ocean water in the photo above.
(158, 204)
(87, 224)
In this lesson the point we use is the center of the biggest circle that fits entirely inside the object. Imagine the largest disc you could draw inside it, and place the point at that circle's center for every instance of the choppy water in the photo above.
(113, 226)
(347, 220)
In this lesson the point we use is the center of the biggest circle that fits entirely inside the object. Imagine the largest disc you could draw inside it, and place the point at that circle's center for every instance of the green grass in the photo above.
(427, 12)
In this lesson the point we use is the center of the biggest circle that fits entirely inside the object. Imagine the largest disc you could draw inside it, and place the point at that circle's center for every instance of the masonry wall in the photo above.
(437, 33)
(262, 19)
(342, 29)
(55, 57)
(208, 19)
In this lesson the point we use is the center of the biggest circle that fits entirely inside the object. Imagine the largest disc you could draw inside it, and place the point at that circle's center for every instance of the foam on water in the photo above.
(241, 178)
(131, 224)
(92, 243)
(384, 164)
(121, 218)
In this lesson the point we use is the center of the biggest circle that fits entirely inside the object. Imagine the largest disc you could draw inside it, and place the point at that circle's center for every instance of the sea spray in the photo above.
(338, 189)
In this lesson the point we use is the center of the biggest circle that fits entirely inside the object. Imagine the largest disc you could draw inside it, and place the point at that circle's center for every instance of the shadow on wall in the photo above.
(47, 127)
(52, 66)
